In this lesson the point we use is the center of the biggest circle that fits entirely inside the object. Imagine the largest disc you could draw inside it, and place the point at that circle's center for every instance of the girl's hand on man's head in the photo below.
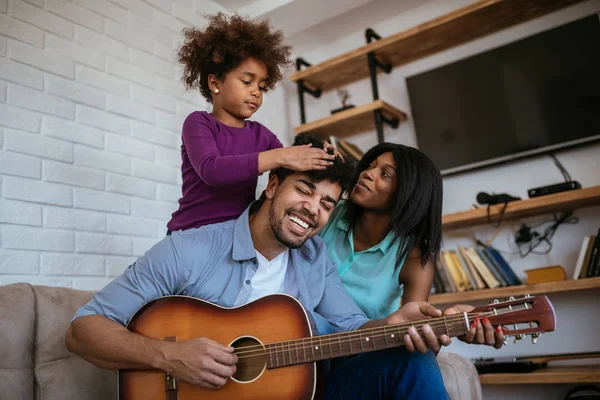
(305, 158)
(331, 149)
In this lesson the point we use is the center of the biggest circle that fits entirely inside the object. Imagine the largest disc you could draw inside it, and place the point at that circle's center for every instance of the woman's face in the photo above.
(376, 185)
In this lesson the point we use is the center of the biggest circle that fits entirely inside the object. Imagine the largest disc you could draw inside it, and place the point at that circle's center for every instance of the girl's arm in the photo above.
(416, 277)
(209, 164)
(218, 170)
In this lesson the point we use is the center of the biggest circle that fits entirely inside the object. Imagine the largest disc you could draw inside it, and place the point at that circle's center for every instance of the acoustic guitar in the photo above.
(276, 351)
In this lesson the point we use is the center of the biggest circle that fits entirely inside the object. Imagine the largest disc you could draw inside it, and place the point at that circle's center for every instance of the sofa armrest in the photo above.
(460, 377)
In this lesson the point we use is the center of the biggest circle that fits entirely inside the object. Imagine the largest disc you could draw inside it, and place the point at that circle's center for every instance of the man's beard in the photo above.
(278, 232)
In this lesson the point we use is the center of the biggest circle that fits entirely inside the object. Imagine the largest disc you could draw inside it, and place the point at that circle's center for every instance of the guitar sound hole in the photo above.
(252, 359)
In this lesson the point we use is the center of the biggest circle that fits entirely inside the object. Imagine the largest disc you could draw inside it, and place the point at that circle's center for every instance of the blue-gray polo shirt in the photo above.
(216, 263)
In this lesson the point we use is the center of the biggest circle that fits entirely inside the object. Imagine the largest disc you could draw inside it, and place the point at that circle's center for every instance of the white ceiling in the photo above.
(292, 16)
(234, 5)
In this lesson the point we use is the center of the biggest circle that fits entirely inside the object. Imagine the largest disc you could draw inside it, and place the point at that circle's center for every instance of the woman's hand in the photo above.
(305, 158)
(481, 331)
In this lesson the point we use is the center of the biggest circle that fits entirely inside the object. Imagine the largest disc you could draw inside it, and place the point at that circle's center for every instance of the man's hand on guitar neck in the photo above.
(425, 340)
(415, 341)
(201, 362)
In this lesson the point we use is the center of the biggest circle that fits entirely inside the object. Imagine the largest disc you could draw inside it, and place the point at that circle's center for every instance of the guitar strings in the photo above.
(304, 346)
(436, 321)
(287, 345)
(327, 339)
(250, 364)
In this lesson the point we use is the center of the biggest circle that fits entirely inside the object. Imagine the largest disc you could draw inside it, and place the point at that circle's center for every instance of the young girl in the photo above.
(233, 62)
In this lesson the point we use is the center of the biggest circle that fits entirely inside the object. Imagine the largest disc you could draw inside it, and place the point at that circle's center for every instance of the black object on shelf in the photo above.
(343, 108)
(505, 365)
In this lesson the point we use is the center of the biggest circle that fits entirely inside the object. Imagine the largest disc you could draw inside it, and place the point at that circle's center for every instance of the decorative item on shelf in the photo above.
(344, 96)
(545, 274)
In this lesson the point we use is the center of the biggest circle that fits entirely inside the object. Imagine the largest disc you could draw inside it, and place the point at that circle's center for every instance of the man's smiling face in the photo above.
(300, 207)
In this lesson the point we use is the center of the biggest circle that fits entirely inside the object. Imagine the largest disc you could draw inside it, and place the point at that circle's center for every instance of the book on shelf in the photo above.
(482, 269)
(594, 265)
(479, 283)
(503, 266)
(453, 275)
(458, 260)
(588, 260)
(462, 269)
(493, 267)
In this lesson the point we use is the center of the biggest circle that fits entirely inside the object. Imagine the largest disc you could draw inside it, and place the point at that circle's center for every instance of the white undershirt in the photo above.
(269, 275)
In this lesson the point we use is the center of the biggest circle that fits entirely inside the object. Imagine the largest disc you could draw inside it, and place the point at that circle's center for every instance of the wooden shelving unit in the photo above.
(450, 30)
(570, 374)
(351, 121)
(503, 292)
(525, 208)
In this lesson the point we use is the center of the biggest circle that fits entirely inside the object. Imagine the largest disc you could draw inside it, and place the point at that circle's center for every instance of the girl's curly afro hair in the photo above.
(224, 44)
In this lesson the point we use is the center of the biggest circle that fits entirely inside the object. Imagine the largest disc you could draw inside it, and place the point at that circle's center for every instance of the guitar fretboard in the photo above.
(283, 354)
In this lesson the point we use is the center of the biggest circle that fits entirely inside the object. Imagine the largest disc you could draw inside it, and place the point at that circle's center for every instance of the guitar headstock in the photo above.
(522, 316)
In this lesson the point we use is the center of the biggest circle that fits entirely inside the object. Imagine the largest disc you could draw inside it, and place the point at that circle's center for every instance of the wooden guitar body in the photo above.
(267, 320)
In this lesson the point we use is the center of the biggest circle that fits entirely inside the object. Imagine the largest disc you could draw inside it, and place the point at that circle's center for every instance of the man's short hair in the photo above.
(341, 171)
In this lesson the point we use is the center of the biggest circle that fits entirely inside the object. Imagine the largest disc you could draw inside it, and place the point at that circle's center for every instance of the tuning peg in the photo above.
(518, 337)
(534, 337)
(527, 296)
(505, 341)
(495, 301)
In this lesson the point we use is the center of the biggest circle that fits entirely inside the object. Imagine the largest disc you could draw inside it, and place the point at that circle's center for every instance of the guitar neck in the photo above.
(300, 351)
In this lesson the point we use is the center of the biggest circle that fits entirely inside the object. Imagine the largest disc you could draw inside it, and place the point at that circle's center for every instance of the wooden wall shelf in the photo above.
(351, 121)
(525, 208)
(570, 374)
(504, 292)
(468, 23)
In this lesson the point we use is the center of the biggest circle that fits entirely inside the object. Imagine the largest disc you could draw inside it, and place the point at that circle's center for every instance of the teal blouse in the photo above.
(369, 276)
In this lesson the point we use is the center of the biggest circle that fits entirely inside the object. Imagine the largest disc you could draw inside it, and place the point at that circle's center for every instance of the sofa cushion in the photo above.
(16, 341)
(59, 373)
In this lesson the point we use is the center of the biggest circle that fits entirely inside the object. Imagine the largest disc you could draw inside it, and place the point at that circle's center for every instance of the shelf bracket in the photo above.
(380, 119)
(302, 88)
(394, 123)
(374, 63)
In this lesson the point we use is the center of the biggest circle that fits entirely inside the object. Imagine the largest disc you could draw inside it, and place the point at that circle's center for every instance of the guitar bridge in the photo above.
(170, 381)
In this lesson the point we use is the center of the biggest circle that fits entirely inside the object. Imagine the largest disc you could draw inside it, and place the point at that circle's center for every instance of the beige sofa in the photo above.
(35, 364)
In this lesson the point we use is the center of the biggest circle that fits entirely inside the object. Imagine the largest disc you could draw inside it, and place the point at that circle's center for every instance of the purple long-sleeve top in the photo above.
(219, 169)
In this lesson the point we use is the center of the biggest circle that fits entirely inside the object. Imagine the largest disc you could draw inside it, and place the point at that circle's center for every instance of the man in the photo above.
(270, 248)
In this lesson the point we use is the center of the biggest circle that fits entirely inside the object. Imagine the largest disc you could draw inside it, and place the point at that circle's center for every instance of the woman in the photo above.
(387, 235)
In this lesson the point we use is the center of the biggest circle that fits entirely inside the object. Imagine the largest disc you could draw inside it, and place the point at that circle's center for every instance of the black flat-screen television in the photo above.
(533, 96)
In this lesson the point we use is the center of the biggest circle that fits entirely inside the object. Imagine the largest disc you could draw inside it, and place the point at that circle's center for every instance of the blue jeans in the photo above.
(387, 374)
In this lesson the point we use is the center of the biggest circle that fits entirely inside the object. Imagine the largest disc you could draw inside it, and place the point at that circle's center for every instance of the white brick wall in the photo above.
(91, 107)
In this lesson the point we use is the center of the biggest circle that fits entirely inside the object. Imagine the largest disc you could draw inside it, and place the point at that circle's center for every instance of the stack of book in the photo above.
(588, 262)
(472, 269)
